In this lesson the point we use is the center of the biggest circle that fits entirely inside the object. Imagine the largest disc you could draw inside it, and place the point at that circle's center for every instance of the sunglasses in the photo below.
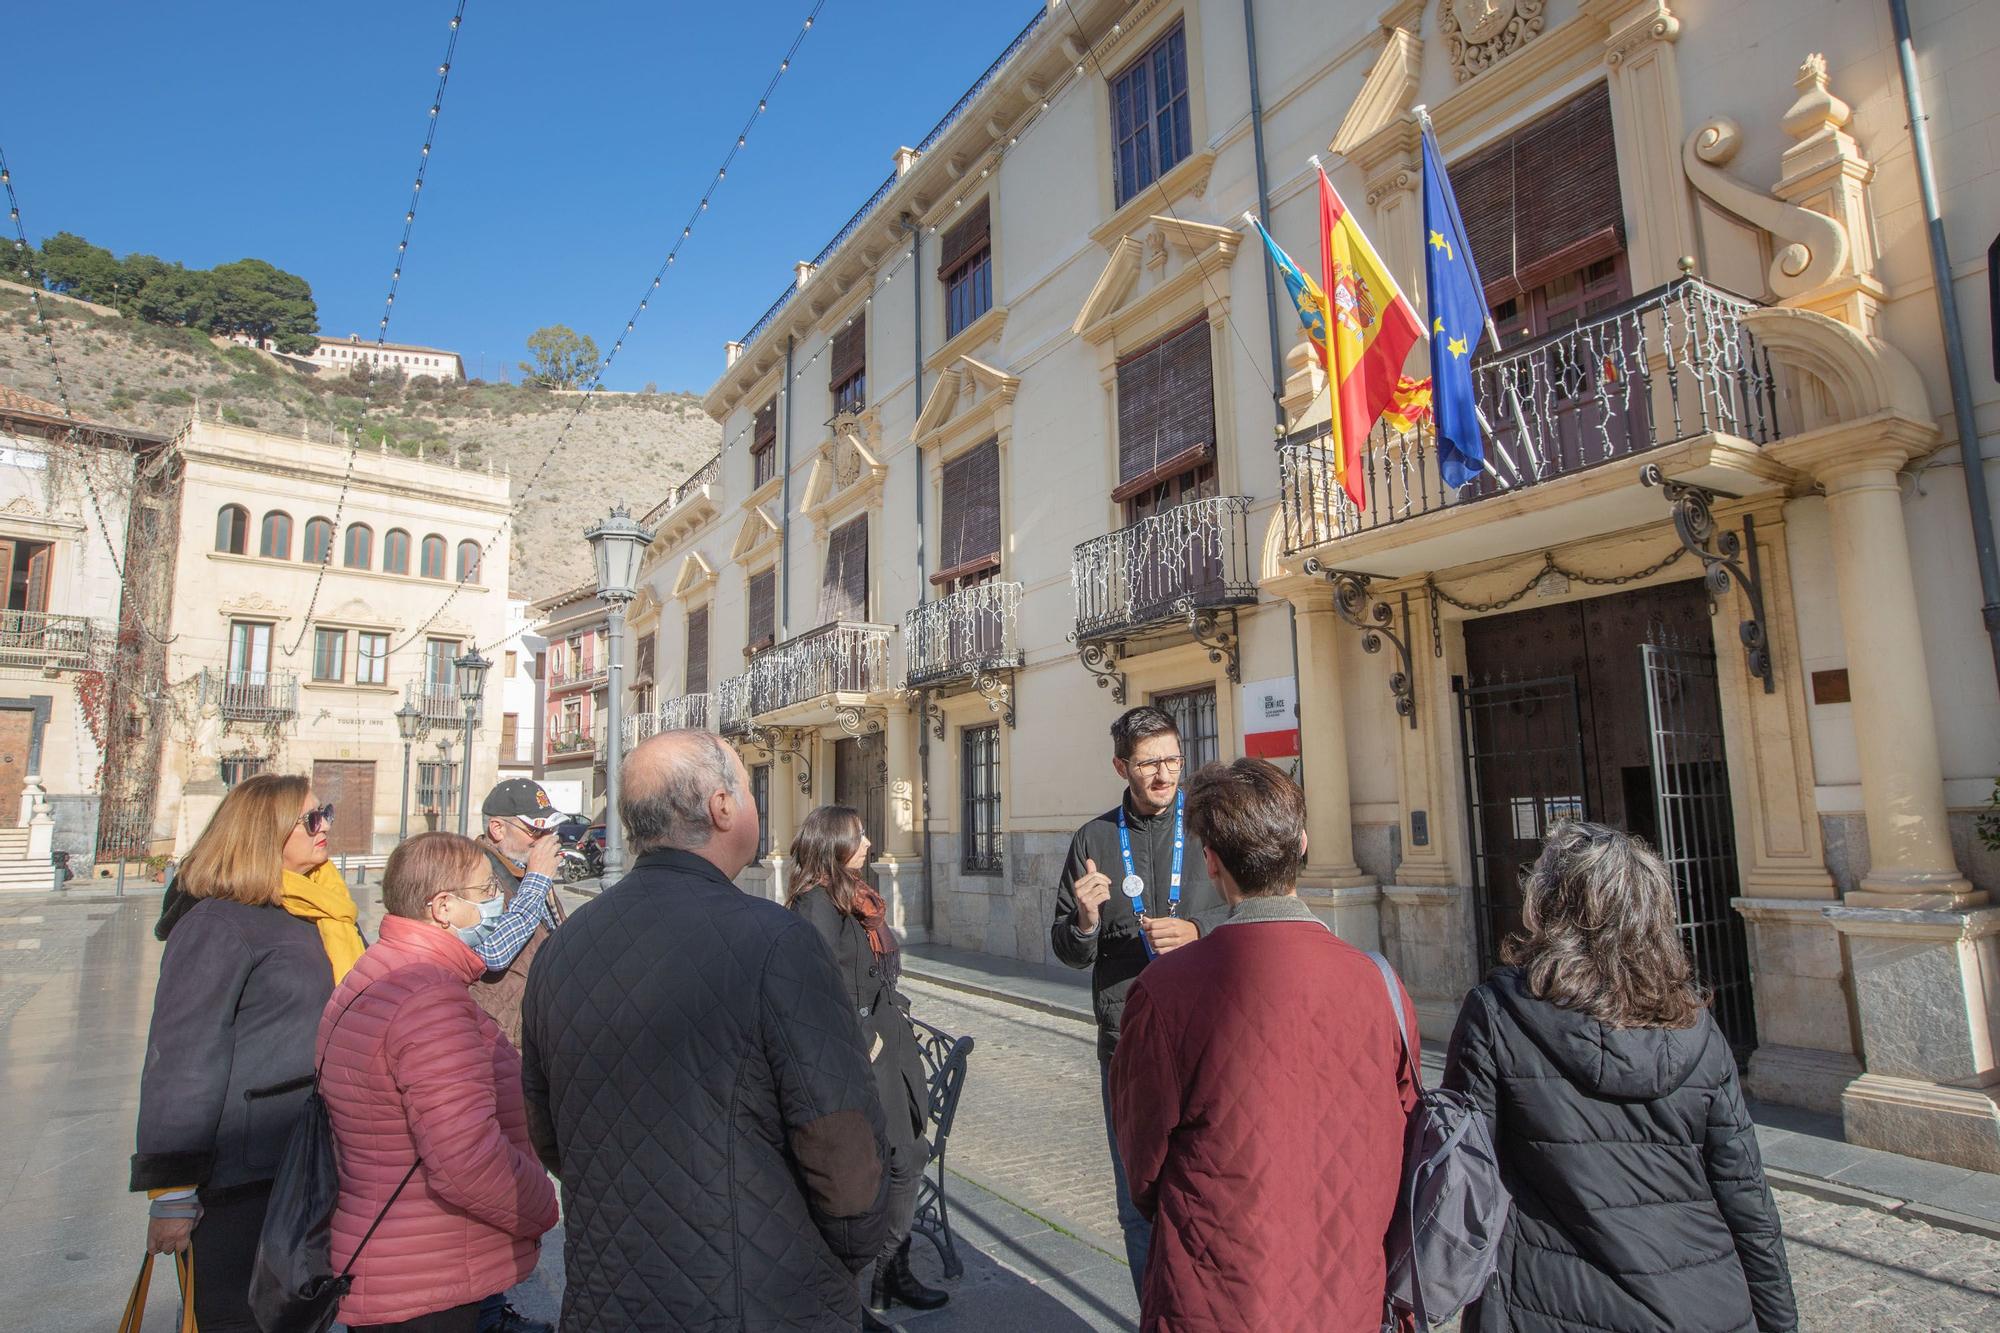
(316, 821)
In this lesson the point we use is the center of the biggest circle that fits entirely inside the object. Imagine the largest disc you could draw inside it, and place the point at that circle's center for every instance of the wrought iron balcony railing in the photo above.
(589, 671)
(1670, 365)
(840, 657)
(44, 641)
(1193, 556)
(732, 705)
(571, 742)
(439, 703)
(683, 712)
(966, 634)
(251, 696)
(706, 475)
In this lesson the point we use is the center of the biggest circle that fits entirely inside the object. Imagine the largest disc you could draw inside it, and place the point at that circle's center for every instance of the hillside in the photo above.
(628, 448)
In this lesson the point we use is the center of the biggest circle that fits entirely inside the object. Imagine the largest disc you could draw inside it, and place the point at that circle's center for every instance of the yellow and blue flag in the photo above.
(1458, 322)
(1306, 295)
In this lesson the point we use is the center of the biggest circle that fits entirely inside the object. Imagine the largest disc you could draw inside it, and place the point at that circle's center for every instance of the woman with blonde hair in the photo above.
(1639, 1196)
(229, 1057)
(830, 889)
(425, 1095)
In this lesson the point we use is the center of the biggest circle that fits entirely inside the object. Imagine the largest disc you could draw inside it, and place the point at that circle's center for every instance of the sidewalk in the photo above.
(1802, 1150)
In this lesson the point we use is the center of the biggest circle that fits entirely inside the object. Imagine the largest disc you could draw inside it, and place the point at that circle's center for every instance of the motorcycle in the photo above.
(581, 857)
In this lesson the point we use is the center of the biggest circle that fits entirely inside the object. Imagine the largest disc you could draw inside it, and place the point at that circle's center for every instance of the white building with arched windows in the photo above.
(341, 355)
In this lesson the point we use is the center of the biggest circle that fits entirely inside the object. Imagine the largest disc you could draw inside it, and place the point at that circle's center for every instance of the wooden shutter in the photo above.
(849, 351)
(969, 524)
(964, 238)
(1544, 201)
(697, 651)
(38, 580)
(648, 657)
(843, 587)
(764, 434)
(763, 608)
(1166, 410)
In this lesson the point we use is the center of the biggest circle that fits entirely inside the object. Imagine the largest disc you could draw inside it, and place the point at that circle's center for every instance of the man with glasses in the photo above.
(1134, 887)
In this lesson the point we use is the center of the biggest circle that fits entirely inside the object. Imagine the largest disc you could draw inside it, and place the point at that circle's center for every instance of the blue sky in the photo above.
(575, 139)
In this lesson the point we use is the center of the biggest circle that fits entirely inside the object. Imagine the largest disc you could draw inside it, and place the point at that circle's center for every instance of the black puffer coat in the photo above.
(1639, 1195)
(696, 1077)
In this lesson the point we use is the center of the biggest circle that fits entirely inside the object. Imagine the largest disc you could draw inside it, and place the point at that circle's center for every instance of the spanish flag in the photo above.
(1372, 331)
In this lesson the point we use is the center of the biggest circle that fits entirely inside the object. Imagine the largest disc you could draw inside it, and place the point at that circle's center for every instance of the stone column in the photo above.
(1646, 117)
(897, 870)
(1332, 883)
(1895, 727)
(783, 821)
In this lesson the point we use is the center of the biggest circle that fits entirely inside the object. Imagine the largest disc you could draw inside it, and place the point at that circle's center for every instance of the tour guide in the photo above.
(1134, 887)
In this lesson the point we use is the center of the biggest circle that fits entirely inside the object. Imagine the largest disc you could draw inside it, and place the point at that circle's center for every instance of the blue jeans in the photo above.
(1138, 1231)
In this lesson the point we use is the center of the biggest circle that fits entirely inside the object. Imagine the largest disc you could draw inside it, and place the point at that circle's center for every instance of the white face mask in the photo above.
(490, 913)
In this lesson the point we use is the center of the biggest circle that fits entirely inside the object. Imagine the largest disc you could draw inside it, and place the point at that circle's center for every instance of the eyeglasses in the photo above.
(1166, 767)
(484, 892)
(316, 821)
(534, 834)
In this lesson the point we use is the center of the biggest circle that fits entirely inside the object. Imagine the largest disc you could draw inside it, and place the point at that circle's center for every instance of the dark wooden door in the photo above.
(860, 780)
(17, 731)
(349, 785)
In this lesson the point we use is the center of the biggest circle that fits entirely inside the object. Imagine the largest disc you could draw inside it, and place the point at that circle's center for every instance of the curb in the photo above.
(1111, 1248)
(1832, 1191)
(913, 967)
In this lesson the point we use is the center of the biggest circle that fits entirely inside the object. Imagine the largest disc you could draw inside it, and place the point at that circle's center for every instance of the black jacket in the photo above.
(1116, 952)
(884, 1013)
(1639, 1195)
(696, 1078)
(229, 1057)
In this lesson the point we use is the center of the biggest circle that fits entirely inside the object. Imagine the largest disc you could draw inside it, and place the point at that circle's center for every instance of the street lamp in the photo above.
(444, 760)
(617, 545)
(472, 670)
(409, 721)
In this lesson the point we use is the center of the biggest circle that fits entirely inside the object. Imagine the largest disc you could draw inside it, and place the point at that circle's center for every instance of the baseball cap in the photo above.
(524, 799)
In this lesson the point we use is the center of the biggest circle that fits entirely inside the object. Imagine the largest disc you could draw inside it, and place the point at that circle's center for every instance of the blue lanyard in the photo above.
(1180, 844)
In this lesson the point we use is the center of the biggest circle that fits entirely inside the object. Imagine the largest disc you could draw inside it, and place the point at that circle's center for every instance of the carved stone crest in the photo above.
(1482, 32)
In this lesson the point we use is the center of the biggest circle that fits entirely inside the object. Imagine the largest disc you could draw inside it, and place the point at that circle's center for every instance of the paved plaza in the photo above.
(1032, 1198)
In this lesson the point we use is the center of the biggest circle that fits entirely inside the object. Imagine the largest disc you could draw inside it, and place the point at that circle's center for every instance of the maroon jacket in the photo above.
(1259, 1103)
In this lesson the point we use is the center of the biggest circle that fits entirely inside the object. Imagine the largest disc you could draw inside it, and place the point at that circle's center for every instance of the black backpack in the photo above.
(1444, 1243)
(293, 1288)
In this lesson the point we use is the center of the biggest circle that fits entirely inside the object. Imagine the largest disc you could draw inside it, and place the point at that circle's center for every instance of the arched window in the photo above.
(360, 546)
(275, 543)
(468, 561)
(396, 552)
(232, 529)
(319, 541)
(432, 564)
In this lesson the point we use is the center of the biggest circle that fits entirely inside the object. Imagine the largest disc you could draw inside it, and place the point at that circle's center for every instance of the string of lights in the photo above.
(388, 308)
(596, 373)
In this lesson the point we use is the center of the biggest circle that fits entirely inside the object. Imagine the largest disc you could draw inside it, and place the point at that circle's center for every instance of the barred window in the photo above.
(1193, 712)
(437, 784)
(241, 767)
(979, 793)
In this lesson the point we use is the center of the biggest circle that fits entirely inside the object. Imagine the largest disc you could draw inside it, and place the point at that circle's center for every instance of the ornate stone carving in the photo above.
(1482, 32)
(1813, 248)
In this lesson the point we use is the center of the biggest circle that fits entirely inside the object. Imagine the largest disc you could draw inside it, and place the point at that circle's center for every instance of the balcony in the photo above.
(732, 706)
(687, 712)
(838, 658)
(251, 696)
(1169, 567)
(568, 744)
(439, 703)
(588, 671)
(41, 641)
(667, 522)
(1673, 368)
(962, 637)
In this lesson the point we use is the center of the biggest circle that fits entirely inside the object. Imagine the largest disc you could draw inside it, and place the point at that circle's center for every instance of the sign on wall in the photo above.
(1270, 718)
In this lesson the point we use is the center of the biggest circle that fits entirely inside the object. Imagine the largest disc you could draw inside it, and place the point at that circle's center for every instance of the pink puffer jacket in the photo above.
(414, 1070)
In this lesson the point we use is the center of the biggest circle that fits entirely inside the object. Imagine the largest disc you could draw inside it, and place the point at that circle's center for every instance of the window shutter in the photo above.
(697, 651)
(765, 433)
(1484, 187)
(964, 238)
(763, 607)
(843, 589)
(648, 657)
(1166, 407)
(850, 350)
(969, 525)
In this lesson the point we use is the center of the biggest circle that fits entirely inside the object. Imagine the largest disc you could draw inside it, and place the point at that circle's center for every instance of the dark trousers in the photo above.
(458, 1319)
(225, 1250)
(1138, 1231)
(906, 1168)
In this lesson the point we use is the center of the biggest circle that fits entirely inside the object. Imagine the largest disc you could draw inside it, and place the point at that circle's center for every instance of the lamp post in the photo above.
(409, 719)
(444, 758)
(472, 670)
(617, 545)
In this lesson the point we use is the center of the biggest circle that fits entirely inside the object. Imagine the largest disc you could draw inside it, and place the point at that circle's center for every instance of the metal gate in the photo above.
(1695, 828)
(1524, 773)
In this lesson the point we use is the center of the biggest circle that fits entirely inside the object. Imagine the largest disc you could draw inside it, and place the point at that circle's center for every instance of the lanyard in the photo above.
(1132, 875)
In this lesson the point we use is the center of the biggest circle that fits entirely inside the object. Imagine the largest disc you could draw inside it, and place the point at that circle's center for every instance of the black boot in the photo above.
(871, 1323)
(895, 1282)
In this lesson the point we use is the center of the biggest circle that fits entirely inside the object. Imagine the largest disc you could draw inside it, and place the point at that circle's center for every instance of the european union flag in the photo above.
(1458, 322)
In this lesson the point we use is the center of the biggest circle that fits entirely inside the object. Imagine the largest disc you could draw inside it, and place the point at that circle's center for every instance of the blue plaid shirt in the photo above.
(529, 909)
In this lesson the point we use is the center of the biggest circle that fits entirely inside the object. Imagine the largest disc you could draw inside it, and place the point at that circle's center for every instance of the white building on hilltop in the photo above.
(342, 355)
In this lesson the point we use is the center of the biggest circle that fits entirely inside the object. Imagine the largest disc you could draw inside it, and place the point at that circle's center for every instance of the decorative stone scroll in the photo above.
(1483, 32)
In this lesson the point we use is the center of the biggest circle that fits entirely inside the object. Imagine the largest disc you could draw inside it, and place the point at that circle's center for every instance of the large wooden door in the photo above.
(349, 785)
(17, 732)
(860, 781)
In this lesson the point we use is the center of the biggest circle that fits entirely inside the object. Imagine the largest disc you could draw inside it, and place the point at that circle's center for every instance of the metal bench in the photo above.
(944, 1073)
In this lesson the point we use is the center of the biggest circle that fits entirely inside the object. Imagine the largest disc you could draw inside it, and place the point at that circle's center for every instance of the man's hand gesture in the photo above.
(1092, 892)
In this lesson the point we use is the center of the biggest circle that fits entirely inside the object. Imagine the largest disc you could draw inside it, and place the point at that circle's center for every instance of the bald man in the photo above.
(697, 1080)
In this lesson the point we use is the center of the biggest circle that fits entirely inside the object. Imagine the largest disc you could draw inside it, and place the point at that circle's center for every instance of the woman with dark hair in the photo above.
(1639, 1195)
(829, 889)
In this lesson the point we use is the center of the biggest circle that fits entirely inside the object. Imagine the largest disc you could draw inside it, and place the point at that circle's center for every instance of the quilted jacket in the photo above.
(1639, 1195)
(1259, 1100)
(1115, 953)
(229, 1054)
(414, 1072)
(696, 1076)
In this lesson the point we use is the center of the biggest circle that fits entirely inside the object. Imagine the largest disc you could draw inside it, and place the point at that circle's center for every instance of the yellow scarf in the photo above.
(322, 898)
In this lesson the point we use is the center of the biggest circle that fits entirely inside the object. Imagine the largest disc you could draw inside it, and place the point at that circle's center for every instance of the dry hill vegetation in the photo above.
(628, 448)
